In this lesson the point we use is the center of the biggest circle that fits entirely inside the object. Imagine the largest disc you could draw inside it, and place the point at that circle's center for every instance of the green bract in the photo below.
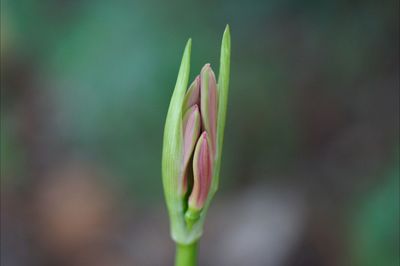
(188, 230)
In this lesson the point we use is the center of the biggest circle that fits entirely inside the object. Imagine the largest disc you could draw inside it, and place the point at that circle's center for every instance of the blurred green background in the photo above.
(310, 172)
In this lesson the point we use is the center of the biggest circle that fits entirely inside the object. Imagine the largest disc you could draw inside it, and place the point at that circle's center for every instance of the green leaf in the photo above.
(173, 146)
(223, 89)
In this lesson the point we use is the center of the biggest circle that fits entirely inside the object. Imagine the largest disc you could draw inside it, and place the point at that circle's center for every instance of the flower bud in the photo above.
(202, 173)
(190, 161)
(208, 103)
(192, 95)
(191, 132)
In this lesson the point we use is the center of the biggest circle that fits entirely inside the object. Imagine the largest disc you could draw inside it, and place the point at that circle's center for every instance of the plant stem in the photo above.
(186, 255)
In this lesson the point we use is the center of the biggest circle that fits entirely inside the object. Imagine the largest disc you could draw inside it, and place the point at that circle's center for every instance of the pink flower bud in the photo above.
(202, 173)
(202, 92)
(190, 161)
(192, 95)
(191, 132)
(208, 103)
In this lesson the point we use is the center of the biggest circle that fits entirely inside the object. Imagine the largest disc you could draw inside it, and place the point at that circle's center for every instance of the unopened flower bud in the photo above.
(208, 103)
(192, 95)
(191, 132)
(193, 139)
(202, 173)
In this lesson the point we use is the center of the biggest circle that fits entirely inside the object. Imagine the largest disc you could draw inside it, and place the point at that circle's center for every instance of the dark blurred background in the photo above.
(310, 172)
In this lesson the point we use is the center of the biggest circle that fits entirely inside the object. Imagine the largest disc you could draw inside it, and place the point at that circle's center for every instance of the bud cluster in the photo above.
(192, 146)
(199, 140)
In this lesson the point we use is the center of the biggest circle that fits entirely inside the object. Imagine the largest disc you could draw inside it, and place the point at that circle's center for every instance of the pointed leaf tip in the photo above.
(227, 29)
(226, 38)
(189, 44)
(188, 49)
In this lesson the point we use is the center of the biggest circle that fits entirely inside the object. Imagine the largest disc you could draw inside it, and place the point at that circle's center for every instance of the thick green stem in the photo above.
(186, 255)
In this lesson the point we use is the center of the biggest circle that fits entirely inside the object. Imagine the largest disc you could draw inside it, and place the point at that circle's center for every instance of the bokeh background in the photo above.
(310, 172)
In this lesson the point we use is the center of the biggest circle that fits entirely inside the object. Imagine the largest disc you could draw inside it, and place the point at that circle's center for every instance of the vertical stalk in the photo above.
(186, 255)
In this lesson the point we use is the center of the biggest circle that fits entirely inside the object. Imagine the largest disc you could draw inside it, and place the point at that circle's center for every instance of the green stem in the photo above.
(186, 255)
